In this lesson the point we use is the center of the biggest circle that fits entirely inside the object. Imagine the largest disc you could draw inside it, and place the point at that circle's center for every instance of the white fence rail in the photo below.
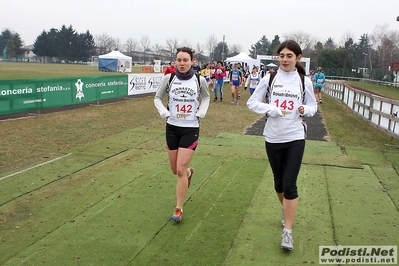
(379, 111)
(378, 82)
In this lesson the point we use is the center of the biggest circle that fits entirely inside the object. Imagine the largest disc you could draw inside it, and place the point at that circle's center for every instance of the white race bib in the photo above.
(183, 101)
(287, 99)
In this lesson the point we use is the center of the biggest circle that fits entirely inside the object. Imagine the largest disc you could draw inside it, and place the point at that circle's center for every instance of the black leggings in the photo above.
(285, 160)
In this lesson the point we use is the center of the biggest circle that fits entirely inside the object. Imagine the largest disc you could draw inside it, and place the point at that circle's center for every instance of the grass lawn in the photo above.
(108, 202)
(19, 70)
(389, 92)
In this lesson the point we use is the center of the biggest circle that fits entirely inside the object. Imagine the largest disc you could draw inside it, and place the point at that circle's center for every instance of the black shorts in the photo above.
(181, 137)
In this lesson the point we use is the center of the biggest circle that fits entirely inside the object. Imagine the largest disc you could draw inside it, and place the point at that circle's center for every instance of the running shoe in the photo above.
(221, 99)
(232, 101)
(320, 101)
(177, 215)
(190, 176)
(287, 243)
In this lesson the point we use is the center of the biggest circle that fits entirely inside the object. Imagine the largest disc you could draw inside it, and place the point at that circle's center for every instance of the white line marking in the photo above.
(20, 172)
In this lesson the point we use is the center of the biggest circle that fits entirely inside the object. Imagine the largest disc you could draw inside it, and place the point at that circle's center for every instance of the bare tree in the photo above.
(117, 44)
(145, 45)
(305, 40)
(199, 51)
(211, 43)
(171, 45)
(131, 46)
(104, 43)
(157, 49)
(186, 43)
(236, 49)
(380, 42)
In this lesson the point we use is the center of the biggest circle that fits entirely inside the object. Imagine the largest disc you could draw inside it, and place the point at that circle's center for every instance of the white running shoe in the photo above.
(287, 243)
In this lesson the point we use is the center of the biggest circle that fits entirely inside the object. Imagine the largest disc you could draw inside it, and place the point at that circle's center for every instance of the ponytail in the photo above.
(300, 68)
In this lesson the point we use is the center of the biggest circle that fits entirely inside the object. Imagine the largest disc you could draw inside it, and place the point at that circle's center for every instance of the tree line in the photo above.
(365, 56)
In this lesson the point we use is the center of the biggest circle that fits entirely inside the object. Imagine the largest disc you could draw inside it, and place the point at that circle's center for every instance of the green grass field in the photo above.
(109, 203)
(18, 70)
(92, 186)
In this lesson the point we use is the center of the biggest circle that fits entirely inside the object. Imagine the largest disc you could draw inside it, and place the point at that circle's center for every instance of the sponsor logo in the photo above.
(138, 83)
(79, 89)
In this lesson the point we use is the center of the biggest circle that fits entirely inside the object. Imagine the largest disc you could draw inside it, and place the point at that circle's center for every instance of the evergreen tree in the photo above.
(4, 37)
(13, 43)
(261, 47)
(65, 44)
(274, 45)
(220, 51)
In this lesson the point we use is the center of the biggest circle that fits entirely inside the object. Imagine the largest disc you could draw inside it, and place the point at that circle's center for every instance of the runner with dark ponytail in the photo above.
(289, 98)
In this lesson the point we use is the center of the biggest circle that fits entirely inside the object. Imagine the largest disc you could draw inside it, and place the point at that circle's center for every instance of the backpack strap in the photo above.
(302, 76)
(198, 79)
(273, 75)
(172, 75)
(271, 78)
(198, 83)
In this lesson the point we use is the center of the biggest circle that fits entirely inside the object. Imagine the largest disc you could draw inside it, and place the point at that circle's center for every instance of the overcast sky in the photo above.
(242, 22)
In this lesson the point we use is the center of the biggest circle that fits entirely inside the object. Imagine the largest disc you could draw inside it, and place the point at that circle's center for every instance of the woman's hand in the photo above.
(301, 109)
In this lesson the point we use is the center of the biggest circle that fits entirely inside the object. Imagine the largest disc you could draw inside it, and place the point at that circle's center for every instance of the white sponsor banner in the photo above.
(143, 83)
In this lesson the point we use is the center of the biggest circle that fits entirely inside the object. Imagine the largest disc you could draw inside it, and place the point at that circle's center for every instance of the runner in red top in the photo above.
(171, 68)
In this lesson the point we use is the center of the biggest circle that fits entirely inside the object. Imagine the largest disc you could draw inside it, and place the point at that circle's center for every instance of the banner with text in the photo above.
(143, 84)
(25, 95)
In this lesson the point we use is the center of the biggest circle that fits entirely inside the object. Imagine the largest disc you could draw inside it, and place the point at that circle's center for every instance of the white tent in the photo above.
(243, 58)
(271, 65)
(107, 62)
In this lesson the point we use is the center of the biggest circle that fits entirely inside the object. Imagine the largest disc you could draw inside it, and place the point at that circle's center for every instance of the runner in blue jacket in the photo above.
(319, 79)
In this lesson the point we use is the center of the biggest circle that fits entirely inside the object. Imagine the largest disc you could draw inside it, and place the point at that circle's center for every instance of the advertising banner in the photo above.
(34, 94)
(144, 83)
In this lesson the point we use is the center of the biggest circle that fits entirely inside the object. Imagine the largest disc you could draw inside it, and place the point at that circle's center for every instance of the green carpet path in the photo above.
(109, 203)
